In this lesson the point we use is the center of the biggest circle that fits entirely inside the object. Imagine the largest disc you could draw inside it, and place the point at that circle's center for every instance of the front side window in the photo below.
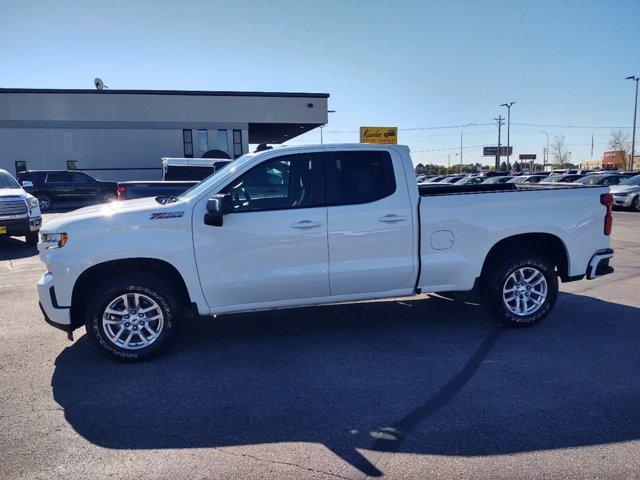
(187, 139)
(280, 183)
(59, 177)
(359, 177)
(81, 178)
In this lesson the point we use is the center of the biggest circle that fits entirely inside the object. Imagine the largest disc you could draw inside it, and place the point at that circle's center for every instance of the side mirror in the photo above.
(27, 184)
(217, 206)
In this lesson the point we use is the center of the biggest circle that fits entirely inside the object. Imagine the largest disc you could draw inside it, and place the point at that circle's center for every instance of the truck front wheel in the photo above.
(519, 289)
(133, 318)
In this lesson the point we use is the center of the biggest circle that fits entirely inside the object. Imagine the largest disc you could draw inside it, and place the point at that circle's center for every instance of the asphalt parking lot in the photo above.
(402, 389)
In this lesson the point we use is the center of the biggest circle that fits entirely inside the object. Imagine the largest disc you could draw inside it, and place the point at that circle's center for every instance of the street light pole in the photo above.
(499, 122)
(508, 105)
(546, 155)
(635, 113)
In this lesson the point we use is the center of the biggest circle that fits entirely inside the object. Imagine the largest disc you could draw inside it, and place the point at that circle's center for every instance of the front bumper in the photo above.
(599, 264)
(54, 314)
(19, 226)
(623, 200)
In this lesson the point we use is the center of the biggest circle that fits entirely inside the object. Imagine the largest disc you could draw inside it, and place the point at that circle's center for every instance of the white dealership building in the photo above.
(123, 134)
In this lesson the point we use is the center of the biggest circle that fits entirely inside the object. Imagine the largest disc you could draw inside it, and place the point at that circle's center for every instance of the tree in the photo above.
(559, 150)
(620, 141)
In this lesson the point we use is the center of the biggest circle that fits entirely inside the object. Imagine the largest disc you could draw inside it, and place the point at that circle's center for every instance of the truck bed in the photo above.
(459, 224)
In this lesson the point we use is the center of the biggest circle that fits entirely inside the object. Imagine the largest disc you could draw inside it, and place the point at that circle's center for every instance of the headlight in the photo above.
(54, 240)
(622, 194)
(33, 202)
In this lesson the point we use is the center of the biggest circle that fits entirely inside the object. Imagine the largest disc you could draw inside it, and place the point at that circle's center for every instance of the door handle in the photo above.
(306, 224)
(392, 218)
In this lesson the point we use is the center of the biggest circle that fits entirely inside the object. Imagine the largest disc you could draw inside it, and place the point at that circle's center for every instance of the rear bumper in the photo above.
(55, 315)
(599, 264)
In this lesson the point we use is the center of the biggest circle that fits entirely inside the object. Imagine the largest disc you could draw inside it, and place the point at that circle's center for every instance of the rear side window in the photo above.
(359, 177)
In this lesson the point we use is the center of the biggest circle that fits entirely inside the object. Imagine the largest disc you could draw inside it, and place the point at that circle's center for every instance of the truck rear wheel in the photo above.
(519, 289)
(133, 318)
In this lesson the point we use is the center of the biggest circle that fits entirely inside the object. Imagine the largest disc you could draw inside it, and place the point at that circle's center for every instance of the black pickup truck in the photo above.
(180, 174)
(59, 186)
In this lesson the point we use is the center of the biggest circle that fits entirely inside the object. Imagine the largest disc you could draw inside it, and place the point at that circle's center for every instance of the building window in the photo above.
(21, 166)
(203, 141)
(72, 165)
(187, 138)
(223, 142)
(237, 143)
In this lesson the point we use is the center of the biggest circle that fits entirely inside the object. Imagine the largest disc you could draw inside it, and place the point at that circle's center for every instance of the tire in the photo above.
(509, 298)
(635, 205)
(44, 201)
(130, 344)
(31, 238)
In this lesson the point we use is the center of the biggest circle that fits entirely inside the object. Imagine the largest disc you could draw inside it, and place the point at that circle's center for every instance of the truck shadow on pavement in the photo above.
(15, 248)
(424, 377)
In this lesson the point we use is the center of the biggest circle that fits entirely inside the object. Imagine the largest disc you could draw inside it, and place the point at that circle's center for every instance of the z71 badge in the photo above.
(163, 215)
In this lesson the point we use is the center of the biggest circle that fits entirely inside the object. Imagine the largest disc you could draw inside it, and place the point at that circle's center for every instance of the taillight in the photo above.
(121, 190)
(606, 199)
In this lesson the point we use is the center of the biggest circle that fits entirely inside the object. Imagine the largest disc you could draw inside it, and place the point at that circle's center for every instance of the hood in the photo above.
(106, 210)
(624, 188)
(13, 192)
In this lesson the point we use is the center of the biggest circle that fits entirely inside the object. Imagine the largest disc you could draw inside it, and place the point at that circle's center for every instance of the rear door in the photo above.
(371, 241)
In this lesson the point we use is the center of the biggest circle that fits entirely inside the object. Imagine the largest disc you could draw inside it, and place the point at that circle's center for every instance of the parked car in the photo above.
(627, 193)
(470, 180)
(451, 179)
(562, 178)
(178, 175)
(19, 211)
(54, 186)
(607, 179)
(324, 224)
(436, 179)
(533, 178)
(497, 179)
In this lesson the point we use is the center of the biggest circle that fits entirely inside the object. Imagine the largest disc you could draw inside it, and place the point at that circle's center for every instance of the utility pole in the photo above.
(591, 157)
(546, 152)
(508, 105)
(635, 113)
(449, 164)
(461, 132)
(500, 123)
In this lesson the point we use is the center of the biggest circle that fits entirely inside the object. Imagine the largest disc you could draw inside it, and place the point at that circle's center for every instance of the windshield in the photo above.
(517, 179)
(7, 181)
(589, 179)
(224, 172)
(635, 181)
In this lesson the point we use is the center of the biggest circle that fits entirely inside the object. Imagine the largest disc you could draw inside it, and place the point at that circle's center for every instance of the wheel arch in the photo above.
(547, 245)
(87, 282)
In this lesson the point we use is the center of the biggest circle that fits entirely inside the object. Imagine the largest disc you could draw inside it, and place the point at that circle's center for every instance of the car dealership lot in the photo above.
(405, 389)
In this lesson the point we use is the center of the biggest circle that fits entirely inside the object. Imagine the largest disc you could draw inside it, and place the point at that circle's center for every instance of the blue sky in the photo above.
(415, 65)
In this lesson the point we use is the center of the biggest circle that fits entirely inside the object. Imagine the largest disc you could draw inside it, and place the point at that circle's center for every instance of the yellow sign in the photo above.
(379, 135)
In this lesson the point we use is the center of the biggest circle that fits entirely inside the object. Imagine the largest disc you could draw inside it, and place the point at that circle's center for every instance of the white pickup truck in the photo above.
(314, 225)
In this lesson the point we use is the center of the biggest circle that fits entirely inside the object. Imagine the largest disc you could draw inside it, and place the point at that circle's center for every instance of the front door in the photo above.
(273, 247)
